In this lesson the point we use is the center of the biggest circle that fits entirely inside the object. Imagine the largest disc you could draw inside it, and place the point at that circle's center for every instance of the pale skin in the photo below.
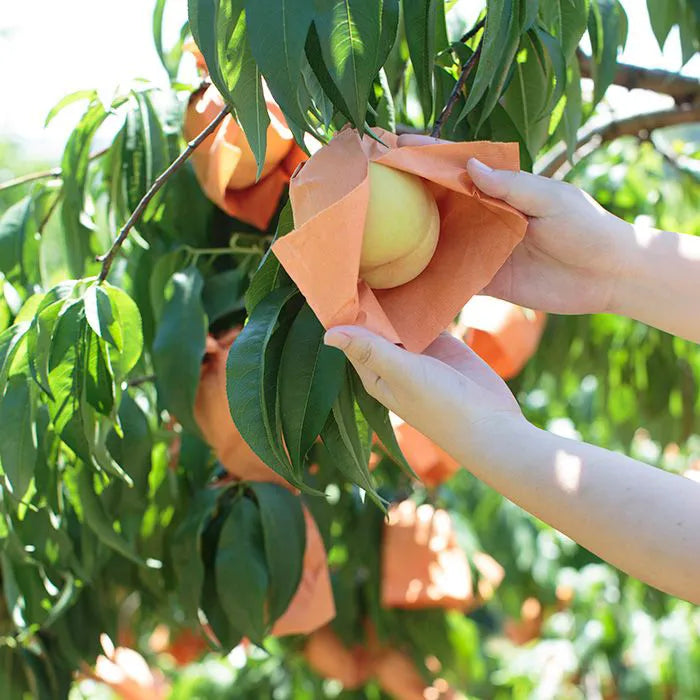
(575, 258)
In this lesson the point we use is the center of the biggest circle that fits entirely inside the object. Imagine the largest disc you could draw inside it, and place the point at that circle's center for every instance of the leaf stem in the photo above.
(108, 258)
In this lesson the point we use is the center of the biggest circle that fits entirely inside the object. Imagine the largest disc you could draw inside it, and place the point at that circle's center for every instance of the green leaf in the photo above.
(9, 344)
(314, 56)
(566, 20)
(99, 379)
(419, 19)
(558, 63)
(243, 79)
(689, 29)
(284, 534)
(573, 111)
(663, 15)
(347, 447)
(39, 342)
(502, 73)
(74, 166)
(251, 374)
(223, 293)
(241, 573)
(178, 347)
(493, 49)
(18, 446)
(129, 321)
(133, 451)
(270, 274)
(277, 34)
(378, 419)
(100, 316)
(70, 99)
(311, 374)
(606, 22)
(169, 59)
(95, 517)
(355, 37)
(187, 549)
(14, 226)
(527, 95)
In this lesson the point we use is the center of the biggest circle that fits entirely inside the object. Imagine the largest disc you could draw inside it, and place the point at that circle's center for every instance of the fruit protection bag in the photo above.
(329, 195)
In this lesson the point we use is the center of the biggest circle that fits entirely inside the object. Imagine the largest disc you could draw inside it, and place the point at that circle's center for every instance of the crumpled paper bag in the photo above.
(503, 334)
(394, 670)
(226, 154)
(312, 604)
(329, 197)
(423, 565)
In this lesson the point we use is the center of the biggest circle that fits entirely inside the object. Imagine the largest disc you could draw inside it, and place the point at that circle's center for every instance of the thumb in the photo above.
(367, 350)
(531, 194)
(379, 363)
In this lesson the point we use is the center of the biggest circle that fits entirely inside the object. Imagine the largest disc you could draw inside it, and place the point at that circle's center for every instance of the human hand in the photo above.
(573, 250)
(447, 393)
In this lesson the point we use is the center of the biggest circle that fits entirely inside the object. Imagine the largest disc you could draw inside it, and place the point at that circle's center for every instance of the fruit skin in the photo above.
(401, 228)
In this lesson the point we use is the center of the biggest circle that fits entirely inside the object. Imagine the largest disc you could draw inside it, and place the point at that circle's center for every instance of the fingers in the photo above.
(453, 352)
(531, 194)
(379, 363)
(418, 140)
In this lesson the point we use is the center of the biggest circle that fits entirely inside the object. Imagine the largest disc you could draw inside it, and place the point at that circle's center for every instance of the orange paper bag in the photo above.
(225, 166)
(504, 335)
(329, 197)
(422, 564)
(312, 605)
(431, 463)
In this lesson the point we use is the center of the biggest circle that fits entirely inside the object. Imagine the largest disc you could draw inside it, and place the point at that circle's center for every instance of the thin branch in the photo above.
(42, 174)
(452, 99)
(46, 218)
(108, 258)
(682, 88)
(473, 31)
(631, 126)
(138, 381)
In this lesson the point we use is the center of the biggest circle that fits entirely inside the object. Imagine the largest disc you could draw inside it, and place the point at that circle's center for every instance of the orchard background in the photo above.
(122, 514)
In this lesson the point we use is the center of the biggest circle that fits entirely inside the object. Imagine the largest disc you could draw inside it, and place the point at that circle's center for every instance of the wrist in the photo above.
(630, 265)
(494, 439)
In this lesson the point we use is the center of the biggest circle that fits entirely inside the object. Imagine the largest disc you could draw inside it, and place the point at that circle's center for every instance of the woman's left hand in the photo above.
(448, 393)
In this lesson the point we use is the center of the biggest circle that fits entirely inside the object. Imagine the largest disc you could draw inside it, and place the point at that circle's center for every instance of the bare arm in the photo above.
(641, 519)
(577, 257)
(660, 282)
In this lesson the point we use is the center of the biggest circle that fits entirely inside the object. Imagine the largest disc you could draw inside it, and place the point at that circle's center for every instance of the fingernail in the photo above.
(479, 165)
(336, 339)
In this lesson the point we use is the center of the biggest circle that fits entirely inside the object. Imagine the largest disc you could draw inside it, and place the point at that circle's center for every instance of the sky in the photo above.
(49, 49)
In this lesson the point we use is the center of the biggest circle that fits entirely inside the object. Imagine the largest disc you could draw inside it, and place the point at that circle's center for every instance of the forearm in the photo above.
(641, 519)
(660, 281)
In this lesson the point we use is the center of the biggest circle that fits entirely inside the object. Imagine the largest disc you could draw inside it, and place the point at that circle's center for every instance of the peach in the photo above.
(401, 228)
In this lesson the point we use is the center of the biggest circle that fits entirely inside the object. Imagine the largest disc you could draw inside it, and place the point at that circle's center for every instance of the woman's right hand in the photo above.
(573, 251)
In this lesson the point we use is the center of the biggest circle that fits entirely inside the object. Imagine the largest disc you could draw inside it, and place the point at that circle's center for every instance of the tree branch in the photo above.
(638, 124)
(108, 258)
(472, 32)
(42, 174)
(682, 88)
(452, 99)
